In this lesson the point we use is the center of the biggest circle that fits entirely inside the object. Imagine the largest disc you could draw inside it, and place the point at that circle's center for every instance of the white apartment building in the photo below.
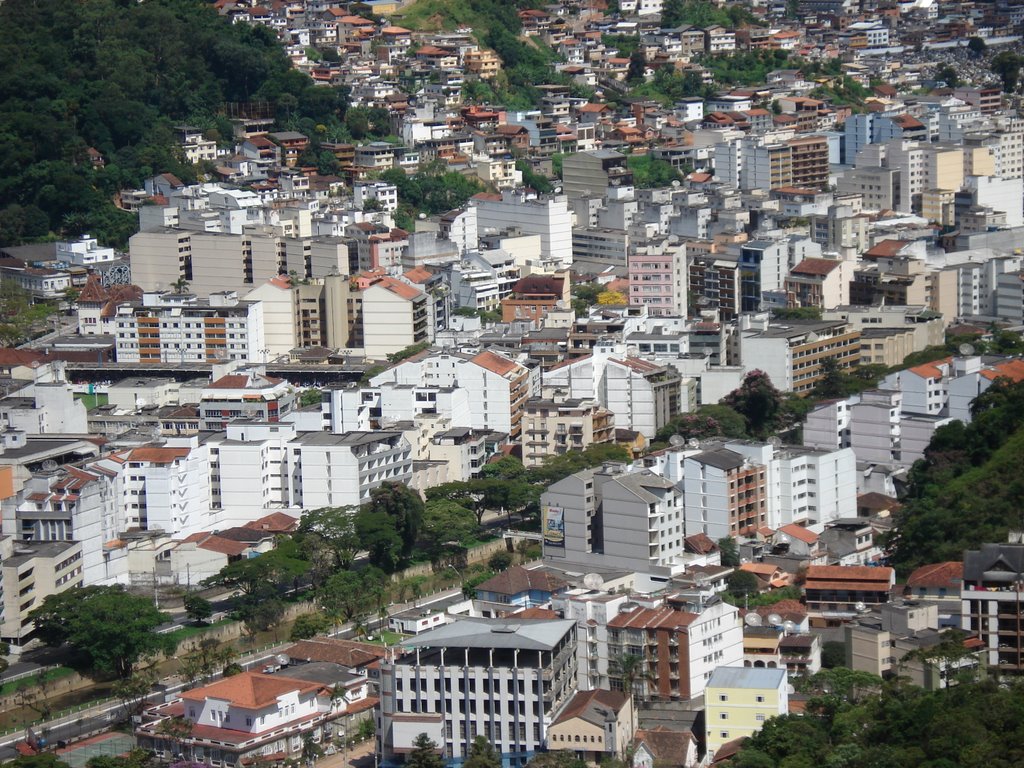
(179, 328)
(497, 387)
(328, 470)
(247, 395)
(84, 252)
(591, 611)
(546, 216)
(504, 679)
(363, 408)
(167, 488)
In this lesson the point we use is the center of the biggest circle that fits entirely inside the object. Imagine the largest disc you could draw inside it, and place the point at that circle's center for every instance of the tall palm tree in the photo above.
(632, 668)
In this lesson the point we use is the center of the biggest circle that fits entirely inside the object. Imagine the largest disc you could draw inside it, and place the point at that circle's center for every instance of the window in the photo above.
(759, 699)
(723, 715)
(724, 734)
(723, 697)
(759, 717)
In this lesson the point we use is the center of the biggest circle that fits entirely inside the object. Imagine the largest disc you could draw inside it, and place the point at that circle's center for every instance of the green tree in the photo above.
(198, 608)
(729, 551)
(499, 561)
(309, 625)
(977, 46)
(349, 595)
(447, 521)
(378, 532)
(405, 507)
(482, 754)
(759, 403)
(332, 529)
(263, 616)
(111, 628)
(833, 654)
(269, 572)
(309, 397)
(637, 67)
(424, 754)
(631, 669)
(741, 584)
(132, 692)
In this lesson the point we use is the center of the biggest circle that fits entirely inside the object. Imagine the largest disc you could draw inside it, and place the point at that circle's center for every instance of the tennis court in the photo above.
(107, 744)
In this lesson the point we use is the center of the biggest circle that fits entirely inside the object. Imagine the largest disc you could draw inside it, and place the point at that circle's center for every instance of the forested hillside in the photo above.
(980, 724)
(970, 488)
(116, 76)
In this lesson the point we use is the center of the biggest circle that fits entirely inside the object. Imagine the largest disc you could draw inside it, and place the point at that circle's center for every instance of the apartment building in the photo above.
(504, 679)
(658, 279)
(680, 649)
(248, 395)
(395, 316)
(167, 488)
(592, 173)
(725, 494)
(739, 701)
(516, 210)
(329, 470)
(822, 283)
(792, 353)
(614, 518)
(31, 571)
(552, 428)
(533, 296)
(179, 328)
(643, 395)
(591, 610)
(498, 387)
(836, 593)
(991, 600)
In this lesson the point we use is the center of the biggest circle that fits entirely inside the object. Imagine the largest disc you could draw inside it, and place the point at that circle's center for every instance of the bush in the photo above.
(499, 561)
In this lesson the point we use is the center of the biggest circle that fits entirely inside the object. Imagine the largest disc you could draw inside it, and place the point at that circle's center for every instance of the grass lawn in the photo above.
(183, 633)
(387, 637)
(34, 680)
(92, 401)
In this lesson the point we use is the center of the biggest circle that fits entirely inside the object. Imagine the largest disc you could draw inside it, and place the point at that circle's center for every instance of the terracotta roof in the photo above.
(877, 501)
(700, 543)
(93, 292)
(885, 249)
(536, 613)
(760, 569)
(495, 363)
(906, 122)
(853, 572)
(653, 618)
(20, 357)
(789, 610)
(251, 690)
(847, 586)
(930, 370)
(418, 274)
(589, 706)
(154, 455)
(277, 522)
(638, 365)
(223, 546)
(816, 267)
(667, 746)
(516, 580)
(348, 653)
(949, 574)
(548, 284)
(241, 381)
(800, 533)
(1012, 370)
(398, 288)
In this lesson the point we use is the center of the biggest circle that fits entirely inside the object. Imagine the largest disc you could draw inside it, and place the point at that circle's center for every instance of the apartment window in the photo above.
(759, 699)
(723, 715)
(724, 734)
(759, 717)
(723, 697)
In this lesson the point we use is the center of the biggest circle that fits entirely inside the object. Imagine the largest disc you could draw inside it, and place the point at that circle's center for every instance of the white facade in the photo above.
(548, 217)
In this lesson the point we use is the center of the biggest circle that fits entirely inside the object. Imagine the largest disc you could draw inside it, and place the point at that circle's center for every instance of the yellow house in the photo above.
(594, 725)
(739, 700)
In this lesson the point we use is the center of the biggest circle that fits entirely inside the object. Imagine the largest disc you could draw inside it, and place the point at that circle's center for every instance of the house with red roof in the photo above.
(395, 317)
(254, 715)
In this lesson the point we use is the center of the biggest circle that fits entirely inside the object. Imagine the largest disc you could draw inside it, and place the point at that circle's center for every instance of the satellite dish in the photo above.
(774, 619)
(693, 442)
(676, 440)
(593, 581)
(789, 626)
(283, 659)
(675, 183)
(752, 620)
(966, 349)
(775, 442)
(140, 402)
(49, 465)
(860, 607)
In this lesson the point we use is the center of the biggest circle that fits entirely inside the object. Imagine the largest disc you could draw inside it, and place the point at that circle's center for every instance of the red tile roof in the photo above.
(800, 533)
(154, 455)
(495, 363)
(815, 267)
(516, 580)
(653, 618)
(251, 690)
(949, 574)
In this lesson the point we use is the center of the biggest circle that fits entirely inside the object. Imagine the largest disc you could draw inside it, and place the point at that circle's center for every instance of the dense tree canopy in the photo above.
(116, 76)
(111, 628)
(968, 488)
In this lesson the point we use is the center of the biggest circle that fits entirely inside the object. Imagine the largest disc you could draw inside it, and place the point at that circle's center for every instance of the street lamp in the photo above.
(462, 580)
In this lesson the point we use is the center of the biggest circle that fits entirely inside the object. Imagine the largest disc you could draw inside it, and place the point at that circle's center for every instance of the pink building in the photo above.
(657, 279)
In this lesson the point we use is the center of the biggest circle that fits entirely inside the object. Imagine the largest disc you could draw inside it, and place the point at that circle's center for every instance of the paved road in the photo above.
(105, 715)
